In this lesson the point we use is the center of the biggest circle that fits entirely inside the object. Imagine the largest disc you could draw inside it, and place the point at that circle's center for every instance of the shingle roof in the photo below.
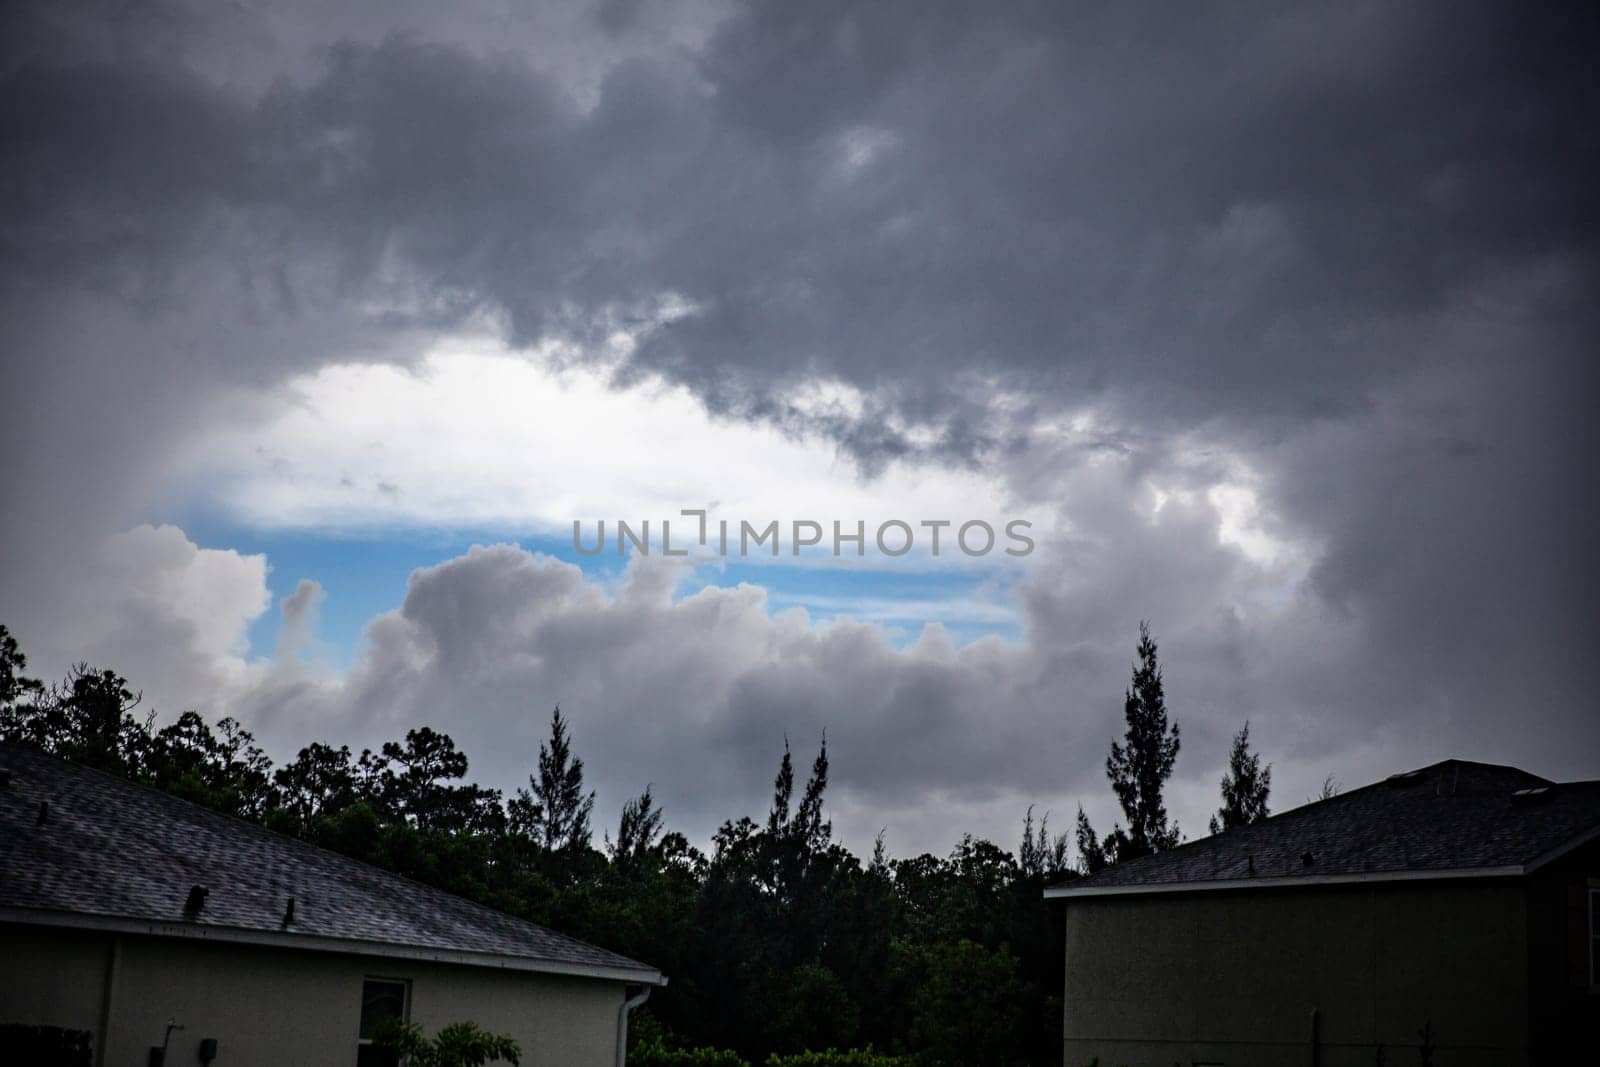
(1454, 817)
(110, 852)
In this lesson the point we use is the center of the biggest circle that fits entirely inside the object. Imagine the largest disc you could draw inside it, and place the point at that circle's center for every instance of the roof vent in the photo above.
(1531, 795)
(1307, 859)
(288, 912)
(5, 778)
(197, 898)
(44, 811)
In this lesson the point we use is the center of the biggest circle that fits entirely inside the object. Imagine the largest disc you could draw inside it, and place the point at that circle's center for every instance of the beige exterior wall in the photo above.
(271, 1006)
(1233, 977)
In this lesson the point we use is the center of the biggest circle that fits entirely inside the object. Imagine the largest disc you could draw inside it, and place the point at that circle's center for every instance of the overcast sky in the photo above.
(322, 323)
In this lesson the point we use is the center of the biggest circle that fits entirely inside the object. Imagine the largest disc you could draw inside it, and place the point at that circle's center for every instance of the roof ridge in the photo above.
(1479, 763)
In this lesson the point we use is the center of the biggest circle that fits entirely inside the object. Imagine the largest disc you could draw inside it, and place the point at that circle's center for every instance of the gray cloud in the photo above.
(301, 610)
(696, 694)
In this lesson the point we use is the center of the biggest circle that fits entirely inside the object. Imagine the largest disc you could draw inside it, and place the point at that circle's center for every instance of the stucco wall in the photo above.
(277, 1006)
(1232, 977)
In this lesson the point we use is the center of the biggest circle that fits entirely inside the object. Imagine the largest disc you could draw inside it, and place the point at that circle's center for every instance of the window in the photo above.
(381, 999)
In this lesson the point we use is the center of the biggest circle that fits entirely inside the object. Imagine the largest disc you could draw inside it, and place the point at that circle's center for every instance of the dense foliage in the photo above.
(54, 1045)
(654, 1052)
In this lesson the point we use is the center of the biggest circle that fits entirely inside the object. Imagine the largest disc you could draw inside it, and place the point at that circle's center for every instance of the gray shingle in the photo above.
(113, 849)
(1452, 816)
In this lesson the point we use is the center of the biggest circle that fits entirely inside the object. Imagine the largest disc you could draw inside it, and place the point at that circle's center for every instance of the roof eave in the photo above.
(640, 975)
(1593, 834)
(1068, 890)
(1064, 892)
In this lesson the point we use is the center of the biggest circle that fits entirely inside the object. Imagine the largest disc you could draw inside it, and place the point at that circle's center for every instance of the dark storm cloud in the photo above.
(1350, 247)
(1210, 205)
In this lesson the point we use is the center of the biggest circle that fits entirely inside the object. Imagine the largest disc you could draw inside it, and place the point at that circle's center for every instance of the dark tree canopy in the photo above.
(222, 768)
(1244, 787)
(87, 718)
(15, 687)
(320, 781)
(415, 783)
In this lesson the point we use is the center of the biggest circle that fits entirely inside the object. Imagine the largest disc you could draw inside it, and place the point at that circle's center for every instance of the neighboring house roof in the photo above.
(1452, 820)
(111, 854)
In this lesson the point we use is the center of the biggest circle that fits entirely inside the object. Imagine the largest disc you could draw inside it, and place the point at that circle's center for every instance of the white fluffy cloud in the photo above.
(479, 437)
(171, 615)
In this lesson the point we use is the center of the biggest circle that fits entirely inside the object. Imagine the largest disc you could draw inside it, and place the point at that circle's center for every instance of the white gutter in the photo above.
(318, 943)
(627, 1005)
(1060, 892)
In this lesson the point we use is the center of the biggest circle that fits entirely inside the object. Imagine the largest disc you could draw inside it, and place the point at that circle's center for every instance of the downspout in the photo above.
(627, 1005)
(108, 992)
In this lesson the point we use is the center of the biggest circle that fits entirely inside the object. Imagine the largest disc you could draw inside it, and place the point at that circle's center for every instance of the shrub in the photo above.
(855, 1057)
(455, 1045)
(45, 1044)
(655, 1053)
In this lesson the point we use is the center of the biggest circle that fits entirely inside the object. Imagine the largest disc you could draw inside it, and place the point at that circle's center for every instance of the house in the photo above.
(140, 920)
(1449, 915)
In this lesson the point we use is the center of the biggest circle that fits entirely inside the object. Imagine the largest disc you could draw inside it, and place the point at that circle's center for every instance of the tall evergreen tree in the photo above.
(794, 842)
(1139, 767)
(782, 793)
(808, 826)
(638, 832)
(554, 810)
(1040, 854)
(1091, 853)
(1244, 787)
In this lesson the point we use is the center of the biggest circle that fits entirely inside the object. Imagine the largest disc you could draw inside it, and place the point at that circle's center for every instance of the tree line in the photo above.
(777, 938)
